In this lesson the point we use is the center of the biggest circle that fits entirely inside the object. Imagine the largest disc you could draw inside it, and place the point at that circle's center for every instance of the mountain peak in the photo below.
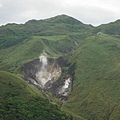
(63, 19)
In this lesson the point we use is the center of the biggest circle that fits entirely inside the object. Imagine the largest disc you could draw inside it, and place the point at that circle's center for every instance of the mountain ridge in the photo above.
(13, 34)
(93, 64)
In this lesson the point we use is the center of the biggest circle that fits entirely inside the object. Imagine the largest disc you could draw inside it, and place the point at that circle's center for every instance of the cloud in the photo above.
(88, 11)
(92, 14)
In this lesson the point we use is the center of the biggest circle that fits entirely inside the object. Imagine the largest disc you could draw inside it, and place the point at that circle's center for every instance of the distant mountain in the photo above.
(87, 58)
(12, 34)
(112, 28)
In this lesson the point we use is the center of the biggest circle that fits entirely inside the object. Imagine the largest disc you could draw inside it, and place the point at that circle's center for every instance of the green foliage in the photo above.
(13, 86)
(14, 57)
(20, 101)
(96, 90)
(112, 28)
(12, 34)
(34, 109)
(22, 43)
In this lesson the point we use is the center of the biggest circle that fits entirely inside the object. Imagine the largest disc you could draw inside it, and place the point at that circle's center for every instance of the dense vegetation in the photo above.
(93, 50)
(62, 40)
(96, 91)
(19, 101)
(12, 34)
(112, 28)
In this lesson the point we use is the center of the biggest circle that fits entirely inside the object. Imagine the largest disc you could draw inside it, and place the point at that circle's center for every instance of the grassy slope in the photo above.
(96, 86)
(12, 34)
(13, 86)
(55, 36)
(96, 90)
(13, 57)
(18, 100)
(16, 56)
(112, 28)
(20, 43)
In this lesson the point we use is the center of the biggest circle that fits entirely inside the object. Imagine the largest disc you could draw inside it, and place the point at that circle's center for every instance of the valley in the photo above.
(62, 63)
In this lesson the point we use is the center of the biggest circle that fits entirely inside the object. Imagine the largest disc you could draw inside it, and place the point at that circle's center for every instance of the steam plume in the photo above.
(43, 60)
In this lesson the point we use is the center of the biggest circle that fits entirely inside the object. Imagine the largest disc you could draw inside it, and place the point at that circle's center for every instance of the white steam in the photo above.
(64, 88)
(47, 71)
(42, 74)
(44, 62)
(67, 83)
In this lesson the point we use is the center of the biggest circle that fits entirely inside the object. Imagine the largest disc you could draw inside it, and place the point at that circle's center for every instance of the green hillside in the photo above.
(12, 34)
(20, 101)
(96, 90)
(95, 52)
(112, 28)
(14, 87)
(15, 51)
(14, 57)
(25, 42)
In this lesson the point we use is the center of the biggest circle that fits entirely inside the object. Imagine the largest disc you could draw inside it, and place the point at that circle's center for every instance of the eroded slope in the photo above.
(96, 90)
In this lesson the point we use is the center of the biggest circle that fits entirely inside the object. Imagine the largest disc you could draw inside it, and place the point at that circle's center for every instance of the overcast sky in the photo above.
(93, 12)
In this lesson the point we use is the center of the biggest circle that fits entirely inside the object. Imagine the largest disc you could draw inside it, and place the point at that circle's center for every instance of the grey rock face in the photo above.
(45, 73)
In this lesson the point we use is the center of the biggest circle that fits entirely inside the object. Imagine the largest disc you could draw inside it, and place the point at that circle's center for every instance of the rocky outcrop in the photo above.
(45, 74)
